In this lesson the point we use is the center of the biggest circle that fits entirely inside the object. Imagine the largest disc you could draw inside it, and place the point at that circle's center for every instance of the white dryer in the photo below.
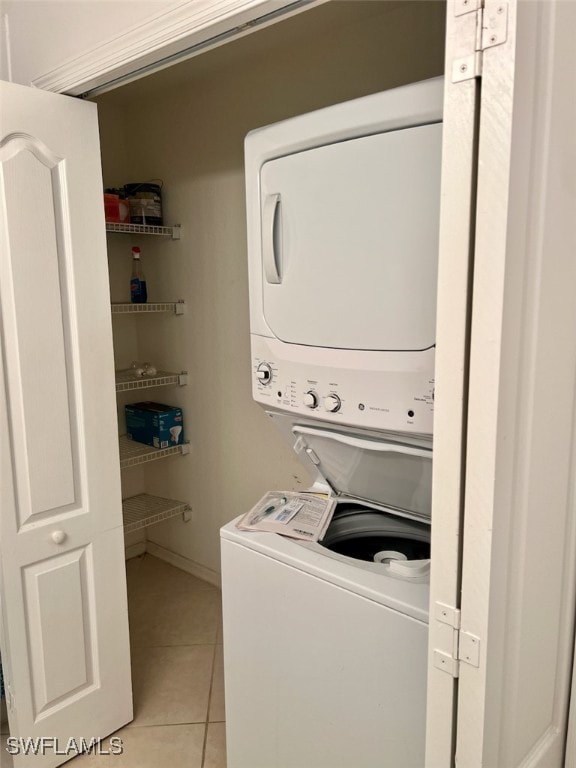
(343, 221)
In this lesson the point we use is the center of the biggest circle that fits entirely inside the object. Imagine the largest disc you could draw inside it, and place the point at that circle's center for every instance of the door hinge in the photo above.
(465, 646)
(491, 30)
(493, 25)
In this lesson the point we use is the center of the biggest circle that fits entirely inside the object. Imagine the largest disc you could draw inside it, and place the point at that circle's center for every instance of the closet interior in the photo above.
(185, 126)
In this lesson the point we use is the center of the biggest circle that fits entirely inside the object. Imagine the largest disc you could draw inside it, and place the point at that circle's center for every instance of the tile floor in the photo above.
(177, 673)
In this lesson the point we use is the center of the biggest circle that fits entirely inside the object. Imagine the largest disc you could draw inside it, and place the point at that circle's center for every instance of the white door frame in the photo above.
(519, 535)
(515, 434)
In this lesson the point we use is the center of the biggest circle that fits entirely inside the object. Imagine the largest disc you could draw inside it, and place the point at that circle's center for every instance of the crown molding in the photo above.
(181, 32)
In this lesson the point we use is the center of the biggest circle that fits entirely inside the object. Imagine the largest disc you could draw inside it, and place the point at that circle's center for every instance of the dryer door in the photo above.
(350, 242)
(387, 473)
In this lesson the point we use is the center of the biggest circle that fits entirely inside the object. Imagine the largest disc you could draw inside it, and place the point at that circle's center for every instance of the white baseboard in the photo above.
(179, 561)
(135, 550)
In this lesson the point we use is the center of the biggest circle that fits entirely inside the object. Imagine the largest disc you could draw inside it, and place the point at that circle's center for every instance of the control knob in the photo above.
(332, 403)
(264, 373)
(310, 399)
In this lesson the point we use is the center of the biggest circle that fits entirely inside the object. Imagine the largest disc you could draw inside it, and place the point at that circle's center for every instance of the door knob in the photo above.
(59, 537)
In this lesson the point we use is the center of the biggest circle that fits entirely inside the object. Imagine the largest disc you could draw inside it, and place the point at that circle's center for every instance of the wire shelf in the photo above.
(127, 379)
(143, 510)
(177, 307)
(132, 453)
(144, 229)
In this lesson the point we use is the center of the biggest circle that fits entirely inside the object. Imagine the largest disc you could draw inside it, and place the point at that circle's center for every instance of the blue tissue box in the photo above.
(156, 424)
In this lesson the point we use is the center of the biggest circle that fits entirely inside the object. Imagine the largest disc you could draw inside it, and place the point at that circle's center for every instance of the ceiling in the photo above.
(304, 28)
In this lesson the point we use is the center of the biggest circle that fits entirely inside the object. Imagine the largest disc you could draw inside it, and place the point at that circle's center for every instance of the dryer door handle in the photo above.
(272, 238)
(363, 443)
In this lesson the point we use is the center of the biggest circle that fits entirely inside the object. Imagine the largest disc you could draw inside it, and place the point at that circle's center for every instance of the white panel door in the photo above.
(519, 536)
(65, 648)
(350, 242)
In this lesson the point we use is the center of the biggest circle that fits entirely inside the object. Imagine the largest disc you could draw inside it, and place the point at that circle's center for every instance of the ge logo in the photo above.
(361, 406)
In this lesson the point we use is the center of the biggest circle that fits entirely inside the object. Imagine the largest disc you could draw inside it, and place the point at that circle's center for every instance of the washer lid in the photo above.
(392, 474)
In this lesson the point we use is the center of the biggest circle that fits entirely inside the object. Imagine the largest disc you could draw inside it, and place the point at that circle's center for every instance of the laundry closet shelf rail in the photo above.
(127, 380)
(127, 308)
(133, 453)
(143, 510)
(144, 229)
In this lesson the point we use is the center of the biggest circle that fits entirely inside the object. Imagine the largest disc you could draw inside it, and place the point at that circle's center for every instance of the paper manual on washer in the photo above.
(298, 515)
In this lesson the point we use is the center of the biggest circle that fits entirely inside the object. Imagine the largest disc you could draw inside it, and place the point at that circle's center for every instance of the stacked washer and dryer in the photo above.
(325, 644)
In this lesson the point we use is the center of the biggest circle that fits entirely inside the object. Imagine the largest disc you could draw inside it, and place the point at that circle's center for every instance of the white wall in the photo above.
(38, 35)
(187, 126)
(124, 327)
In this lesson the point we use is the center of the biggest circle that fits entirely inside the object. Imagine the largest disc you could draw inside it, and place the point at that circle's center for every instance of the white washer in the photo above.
(325, 649)
(325, 655)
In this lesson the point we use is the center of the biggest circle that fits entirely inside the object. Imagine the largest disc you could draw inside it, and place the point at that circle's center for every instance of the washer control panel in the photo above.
(310, 399)
(264, 373)
(332, 403)
(392, 391)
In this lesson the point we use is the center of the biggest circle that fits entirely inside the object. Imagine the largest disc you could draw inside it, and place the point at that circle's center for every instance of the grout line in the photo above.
(209, 702)
(212, 681)
(215, 642)
(204, 744)
(163, 725)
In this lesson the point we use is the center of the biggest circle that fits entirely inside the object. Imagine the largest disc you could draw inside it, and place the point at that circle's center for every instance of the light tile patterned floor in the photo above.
(177, 673)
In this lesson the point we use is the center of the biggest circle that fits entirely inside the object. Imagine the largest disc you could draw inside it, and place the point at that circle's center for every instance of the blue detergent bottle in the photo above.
(138, 293)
